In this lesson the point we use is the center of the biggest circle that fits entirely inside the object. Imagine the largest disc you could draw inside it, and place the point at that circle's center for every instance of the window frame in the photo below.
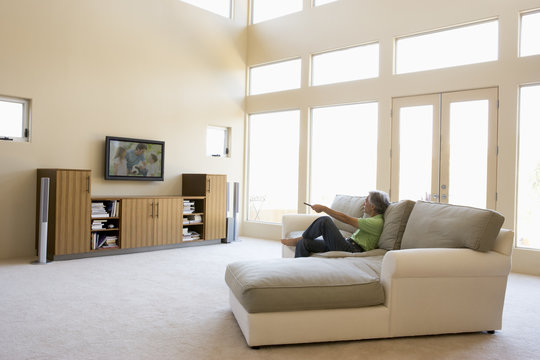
(25, 130)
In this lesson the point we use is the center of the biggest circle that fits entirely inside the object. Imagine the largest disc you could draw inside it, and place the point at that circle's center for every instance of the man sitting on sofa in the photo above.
(365, 238)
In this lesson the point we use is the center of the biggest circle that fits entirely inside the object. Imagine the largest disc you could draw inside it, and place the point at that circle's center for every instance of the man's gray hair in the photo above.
(379, 200)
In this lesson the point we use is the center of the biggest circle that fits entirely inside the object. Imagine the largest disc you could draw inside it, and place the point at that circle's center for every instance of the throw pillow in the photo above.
(433, 225)
(350, 205)
(395, 221)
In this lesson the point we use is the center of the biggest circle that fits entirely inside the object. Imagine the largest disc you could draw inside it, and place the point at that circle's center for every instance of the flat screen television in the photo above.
(133, 159)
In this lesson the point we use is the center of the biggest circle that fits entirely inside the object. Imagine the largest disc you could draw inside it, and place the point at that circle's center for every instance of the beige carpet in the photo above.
(173, 305)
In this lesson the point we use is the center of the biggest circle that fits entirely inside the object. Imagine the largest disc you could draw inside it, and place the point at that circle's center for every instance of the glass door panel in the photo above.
(469, 148)
(468, 153)
(444, 148)
(415, 148)
(416, 144)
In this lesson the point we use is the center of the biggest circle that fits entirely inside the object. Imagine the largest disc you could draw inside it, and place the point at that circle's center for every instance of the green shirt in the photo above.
(369, 231)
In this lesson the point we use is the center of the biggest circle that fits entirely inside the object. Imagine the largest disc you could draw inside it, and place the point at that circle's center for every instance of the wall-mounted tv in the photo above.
(133, 159)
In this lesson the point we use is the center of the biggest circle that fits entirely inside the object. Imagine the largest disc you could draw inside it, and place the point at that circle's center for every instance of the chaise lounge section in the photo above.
(439, 269)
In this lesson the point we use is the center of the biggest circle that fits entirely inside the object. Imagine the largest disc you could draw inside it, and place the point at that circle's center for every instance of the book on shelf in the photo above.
(104, 241)
(98, 224)
(189, 207)
(112, 208)
(190, 236)
(192, 219)
(105, 209)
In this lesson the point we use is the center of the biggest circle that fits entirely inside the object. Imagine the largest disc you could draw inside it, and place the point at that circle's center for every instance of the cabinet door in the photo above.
(72, 212)
(215, 212)
(138, 224)
(168, 221)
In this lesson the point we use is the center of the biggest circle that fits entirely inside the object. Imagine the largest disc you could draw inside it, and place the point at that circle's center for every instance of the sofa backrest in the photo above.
(434, 225)
(350, 205)
(395, 221)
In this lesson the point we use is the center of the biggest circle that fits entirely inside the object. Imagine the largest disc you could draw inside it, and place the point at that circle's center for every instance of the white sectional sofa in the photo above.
(439, 269)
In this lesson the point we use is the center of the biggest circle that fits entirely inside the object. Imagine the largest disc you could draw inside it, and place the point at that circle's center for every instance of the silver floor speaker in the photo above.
(232, 214)
(43, 221)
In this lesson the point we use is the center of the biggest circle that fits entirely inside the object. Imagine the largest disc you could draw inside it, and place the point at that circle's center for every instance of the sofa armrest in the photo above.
(504, 243)
(441, 263)
(296, 222)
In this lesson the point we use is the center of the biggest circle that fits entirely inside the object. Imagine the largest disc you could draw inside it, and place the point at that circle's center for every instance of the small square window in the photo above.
(14, 119)
(217, 141)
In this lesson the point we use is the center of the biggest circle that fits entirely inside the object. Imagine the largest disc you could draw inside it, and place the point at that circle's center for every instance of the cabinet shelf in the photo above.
(105, 213)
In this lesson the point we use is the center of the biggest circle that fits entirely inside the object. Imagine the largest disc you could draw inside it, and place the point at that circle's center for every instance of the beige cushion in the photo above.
(395, 221)
(306, 283)
(433, 225)
(350, 205)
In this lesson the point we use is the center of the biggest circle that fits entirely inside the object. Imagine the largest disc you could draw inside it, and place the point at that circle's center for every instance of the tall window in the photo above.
(322, 2)
(14, 119)
(280, 76)
(220, 7)
(273, 165)
(360, 62)
(530, 28)
(463, 45)
(343, 151)
(528, 207)
(269, 9)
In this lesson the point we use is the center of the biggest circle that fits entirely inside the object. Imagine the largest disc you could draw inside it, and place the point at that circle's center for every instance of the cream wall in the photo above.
(353, 22)
(151, 69)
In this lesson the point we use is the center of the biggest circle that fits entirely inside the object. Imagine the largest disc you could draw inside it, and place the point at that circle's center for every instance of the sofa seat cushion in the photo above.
(306, 283)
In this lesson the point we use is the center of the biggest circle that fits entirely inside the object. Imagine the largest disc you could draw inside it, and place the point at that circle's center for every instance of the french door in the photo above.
(444, 148)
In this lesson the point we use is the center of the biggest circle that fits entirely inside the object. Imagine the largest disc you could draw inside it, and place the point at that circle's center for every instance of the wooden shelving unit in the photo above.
(84, 226)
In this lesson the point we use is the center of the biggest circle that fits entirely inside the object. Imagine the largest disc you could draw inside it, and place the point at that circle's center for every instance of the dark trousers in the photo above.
(332, 239)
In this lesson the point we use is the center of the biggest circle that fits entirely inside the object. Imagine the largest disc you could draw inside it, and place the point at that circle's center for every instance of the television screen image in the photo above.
(133, 159)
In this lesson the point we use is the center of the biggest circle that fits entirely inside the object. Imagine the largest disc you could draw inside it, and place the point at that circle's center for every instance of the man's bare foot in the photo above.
(291, 241)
